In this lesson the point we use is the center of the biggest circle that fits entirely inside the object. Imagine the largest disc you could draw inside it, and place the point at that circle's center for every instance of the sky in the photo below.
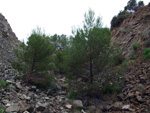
(56, 16)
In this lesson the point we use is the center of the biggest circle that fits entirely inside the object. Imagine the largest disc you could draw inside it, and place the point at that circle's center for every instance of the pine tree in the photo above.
(89, 50)
(35, 57)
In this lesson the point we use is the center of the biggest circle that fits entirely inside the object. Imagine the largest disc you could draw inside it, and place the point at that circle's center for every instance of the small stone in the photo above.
(23, 97)
(28, 98)
(33, 88)
(126, 107)
(18, 85)
(8, 104)
(117, 106)
(13, 108)
(140, 88)
(68, 106)
(46, 98)
(26, 112)
(139, 98)
(10, 82)
(132, 110)
(78, 103)
(137, 93)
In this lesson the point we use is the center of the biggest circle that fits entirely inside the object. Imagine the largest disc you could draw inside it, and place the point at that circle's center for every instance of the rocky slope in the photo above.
(134, 97)
(135, 29)
(8, 40)
(18, 97)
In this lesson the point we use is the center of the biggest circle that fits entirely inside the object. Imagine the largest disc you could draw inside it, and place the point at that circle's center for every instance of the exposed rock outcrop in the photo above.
(8, 41)
(134, 29)
(134, 97)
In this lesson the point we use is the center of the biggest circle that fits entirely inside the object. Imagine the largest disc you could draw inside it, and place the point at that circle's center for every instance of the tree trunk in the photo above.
(91, 71)
(33, 63)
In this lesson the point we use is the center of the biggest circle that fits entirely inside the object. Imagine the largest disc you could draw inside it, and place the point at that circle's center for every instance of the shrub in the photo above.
(117, 57)
(117, 20)
(124, 31)
(125, 63)
(129, 63)
(135, 46)
(146, 53)
(132, 54)
(3, 84)
(72, 95)
(111, 88)
(35, 59)
(146, 18)
(2, 110)
(141, 4)
(59, 61)
(112, 80)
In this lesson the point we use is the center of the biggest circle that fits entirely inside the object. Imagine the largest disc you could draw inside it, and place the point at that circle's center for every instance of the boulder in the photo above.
(13, 108)
(78, 103)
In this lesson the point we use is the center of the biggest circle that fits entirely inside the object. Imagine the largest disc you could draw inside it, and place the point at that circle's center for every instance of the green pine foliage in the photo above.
(86, 53)
(2, 110)
(117, 20)
(35, 58)
(111, 88)
(129, 9)
(89, 47)
(135, 46)
(3, 84)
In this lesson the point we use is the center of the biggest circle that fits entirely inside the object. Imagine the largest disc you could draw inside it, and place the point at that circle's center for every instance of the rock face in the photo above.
(135, 29)
(8, 41)
(135, 96)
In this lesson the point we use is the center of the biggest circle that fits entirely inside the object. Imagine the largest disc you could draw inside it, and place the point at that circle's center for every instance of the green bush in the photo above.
(135, 46)
(146, 18)
(2, 110)
(113, 79)
(117, 57)
(132, 54)
(59, 61)
(117, 20)
(111, 88)
(72, 95)
(128, 63)
(125, 63)
(146, 53)
(3, 84)
(35, 59)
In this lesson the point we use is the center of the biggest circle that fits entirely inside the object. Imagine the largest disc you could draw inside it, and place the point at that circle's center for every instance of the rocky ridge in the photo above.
(134, 97)
(134, 29)
(8, 41)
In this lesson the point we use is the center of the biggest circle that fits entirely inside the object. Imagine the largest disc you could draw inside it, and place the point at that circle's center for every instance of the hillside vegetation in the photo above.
(94, 70)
